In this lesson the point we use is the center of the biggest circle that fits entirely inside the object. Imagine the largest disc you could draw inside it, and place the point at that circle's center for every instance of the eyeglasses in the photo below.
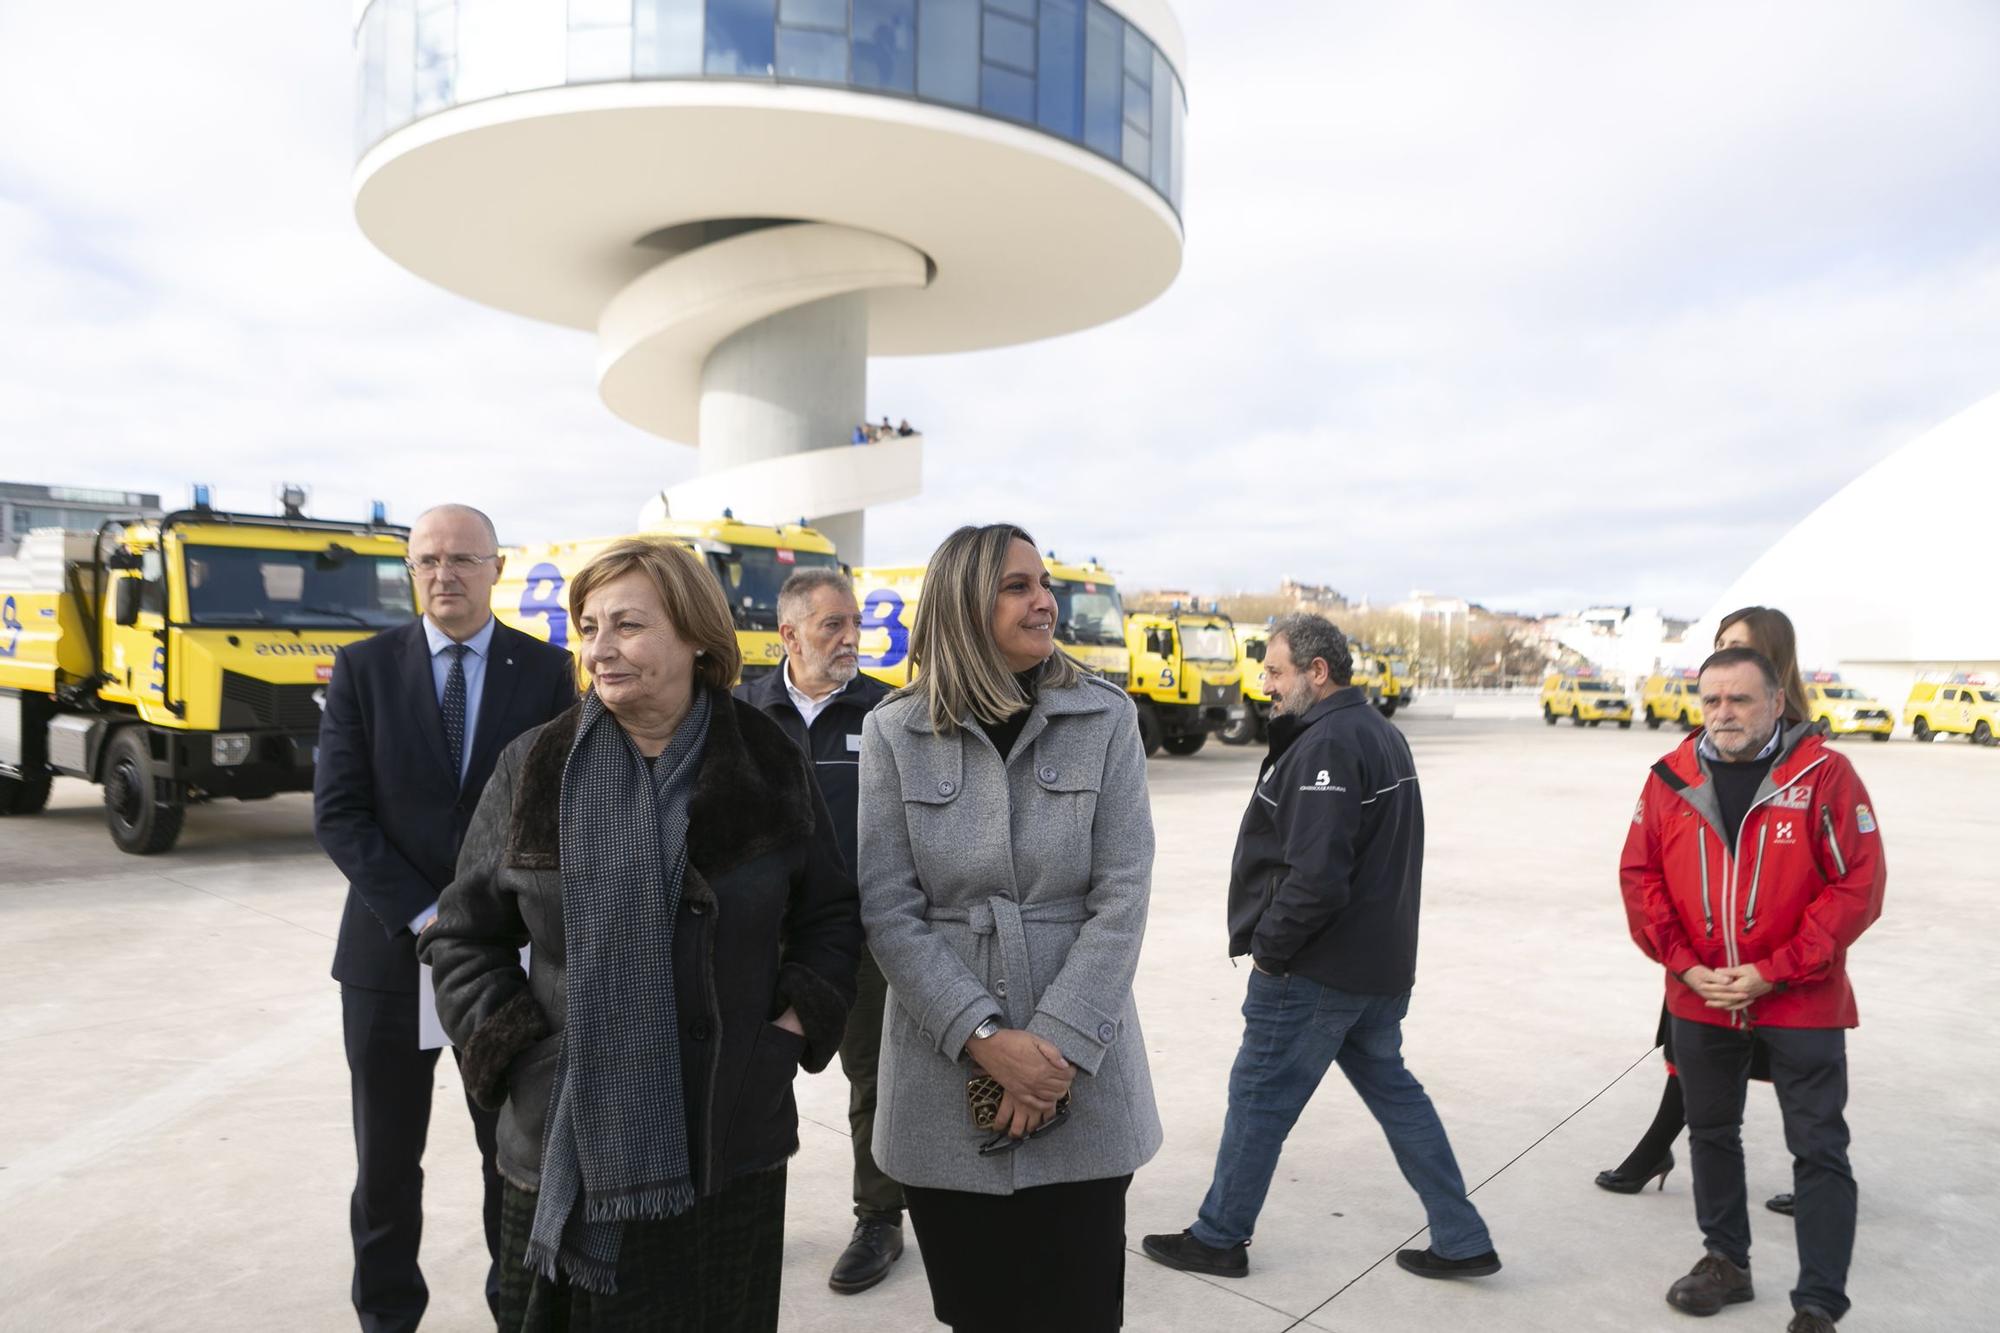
(458, 564)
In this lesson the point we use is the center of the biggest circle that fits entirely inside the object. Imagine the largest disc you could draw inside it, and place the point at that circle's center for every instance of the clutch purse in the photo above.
(982, 1099)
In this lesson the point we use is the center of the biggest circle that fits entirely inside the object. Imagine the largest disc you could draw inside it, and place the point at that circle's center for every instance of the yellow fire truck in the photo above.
(1386, 673)
(1180, 667)
(1185, 676)
(178, 660)
(1090, 618)
(1672, 696)
(750, 561)
(1846, 710)
(1585, 698)
(1250, 719)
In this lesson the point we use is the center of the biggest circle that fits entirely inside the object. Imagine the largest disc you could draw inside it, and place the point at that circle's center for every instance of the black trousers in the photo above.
(1050, 1259)
(390, 1081)
(875, 1195)
(1809, 1073)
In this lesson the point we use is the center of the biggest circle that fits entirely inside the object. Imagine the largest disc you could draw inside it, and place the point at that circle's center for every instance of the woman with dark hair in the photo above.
(663, 848)
(1769, 631)
(1006, 857)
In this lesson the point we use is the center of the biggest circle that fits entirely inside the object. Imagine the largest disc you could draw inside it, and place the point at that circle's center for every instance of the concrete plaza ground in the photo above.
(175, 1148)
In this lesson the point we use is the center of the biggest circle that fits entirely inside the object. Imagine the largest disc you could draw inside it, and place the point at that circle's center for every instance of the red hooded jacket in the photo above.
(1805, 881)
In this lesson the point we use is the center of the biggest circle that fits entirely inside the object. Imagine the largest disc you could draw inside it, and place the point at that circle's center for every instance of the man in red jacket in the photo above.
(1752, 865)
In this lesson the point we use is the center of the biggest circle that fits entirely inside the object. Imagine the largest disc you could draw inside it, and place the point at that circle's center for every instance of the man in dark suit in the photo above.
(819, 697)
(414, 719)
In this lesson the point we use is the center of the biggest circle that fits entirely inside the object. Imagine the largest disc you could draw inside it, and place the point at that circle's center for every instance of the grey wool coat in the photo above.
(1015, 891)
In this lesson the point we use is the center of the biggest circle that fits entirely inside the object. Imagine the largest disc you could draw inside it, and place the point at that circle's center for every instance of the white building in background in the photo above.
(1893, 578)
(745, 199)
(1630, 642)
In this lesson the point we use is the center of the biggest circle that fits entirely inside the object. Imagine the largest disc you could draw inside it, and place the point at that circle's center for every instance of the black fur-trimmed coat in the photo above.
(769, 919)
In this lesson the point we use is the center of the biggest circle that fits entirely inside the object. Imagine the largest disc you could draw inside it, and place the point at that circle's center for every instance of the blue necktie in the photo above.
(454, 708)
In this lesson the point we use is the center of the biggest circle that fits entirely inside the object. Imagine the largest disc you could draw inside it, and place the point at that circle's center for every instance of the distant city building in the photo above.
(1313, 596)
(24, 507)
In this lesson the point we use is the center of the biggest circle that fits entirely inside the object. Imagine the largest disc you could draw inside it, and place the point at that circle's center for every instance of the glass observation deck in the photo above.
(1074, 69)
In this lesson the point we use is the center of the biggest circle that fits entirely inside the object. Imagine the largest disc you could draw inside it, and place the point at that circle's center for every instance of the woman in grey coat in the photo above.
(1005, 863)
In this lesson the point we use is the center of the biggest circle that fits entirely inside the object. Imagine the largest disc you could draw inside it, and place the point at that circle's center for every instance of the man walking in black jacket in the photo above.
(820, 698)
(1323, 896)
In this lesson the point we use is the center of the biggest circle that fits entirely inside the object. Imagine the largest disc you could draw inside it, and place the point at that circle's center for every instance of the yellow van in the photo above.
(1960, 706)
(1585, 698)
(1845, 710)
(1673, 696)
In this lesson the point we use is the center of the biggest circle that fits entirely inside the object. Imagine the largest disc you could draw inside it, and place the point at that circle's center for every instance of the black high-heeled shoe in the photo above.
(1620, 1183)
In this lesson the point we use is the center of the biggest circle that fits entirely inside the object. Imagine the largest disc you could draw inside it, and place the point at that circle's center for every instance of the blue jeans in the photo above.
(1293, 1029)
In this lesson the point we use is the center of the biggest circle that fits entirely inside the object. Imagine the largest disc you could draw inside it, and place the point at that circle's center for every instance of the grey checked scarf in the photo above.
(615, 1144)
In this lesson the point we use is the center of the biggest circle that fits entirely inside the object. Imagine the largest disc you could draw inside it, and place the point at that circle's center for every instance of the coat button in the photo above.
(1000, 988)
(697, 907)
(947, 787)
(1105, 1032)
(700, 1030)
(1048, 774)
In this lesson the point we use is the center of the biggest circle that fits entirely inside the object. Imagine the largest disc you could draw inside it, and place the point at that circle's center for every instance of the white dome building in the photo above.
(1892, 578)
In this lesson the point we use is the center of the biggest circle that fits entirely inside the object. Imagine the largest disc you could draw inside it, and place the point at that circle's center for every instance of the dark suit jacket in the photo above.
(833, 743)
(387, 807)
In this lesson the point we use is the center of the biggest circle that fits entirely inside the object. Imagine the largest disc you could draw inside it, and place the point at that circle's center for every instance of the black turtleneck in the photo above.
(1736, 787)
(1004, 734)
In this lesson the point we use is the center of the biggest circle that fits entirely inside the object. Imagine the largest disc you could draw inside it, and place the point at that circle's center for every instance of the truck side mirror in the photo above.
(127, 606)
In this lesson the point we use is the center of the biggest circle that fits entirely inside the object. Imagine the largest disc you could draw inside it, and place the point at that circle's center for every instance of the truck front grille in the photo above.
(251, 703)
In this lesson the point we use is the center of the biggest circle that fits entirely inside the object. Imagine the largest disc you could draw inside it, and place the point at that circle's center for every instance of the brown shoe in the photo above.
(1809, 1320)
(1713, 1283)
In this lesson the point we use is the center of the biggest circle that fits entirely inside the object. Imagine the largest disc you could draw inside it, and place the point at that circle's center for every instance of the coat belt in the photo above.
(1002, 920)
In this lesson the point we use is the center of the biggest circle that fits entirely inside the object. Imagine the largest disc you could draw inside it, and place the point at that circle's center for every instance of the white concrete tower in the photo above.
(745, 199)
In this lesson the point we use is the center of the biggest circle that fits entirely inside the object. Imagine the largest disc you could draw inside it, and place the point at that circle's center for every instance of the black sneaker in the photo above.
(877, 1243)
(1713, 1283)
(1184, 1252)
(1809, 1320)
(1429, 1263)
(1780, 1203)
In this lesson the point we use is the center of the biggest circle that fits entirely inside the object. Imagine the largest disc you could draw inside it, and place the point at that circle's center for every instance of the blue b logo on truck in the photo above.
(884, 610)
(543, 597)
(10, 628)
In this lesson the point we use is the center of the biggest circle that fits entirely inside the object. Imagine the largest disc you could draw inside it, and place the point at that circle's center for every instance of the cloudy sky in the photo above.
(1541, 304)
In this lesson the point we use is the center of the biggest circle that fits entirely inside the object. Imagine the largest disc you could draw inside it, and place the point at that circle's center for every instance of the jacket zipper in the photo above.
(1701, 847)
(1756, 876)
(1729, 869)
(1832, 842)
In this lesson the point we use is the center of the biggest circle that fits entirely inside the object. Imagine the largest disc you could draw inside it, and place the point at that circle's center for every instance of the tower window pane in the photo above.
(1103, 80)
(741, 37)
(806, 53)
(666, 37)
(885, 33)
(1010, 42)
(1059, 68)
(948, 51)
(1006, 93)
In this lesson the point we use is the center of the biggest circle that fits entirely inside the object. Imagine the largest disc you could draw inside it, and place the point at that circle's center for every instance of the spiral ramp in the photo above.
(660, 336)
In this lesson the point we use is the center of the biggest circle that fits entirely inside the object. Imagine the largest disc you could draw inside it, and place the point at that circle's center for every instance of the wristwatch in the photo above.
(985, 1029)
